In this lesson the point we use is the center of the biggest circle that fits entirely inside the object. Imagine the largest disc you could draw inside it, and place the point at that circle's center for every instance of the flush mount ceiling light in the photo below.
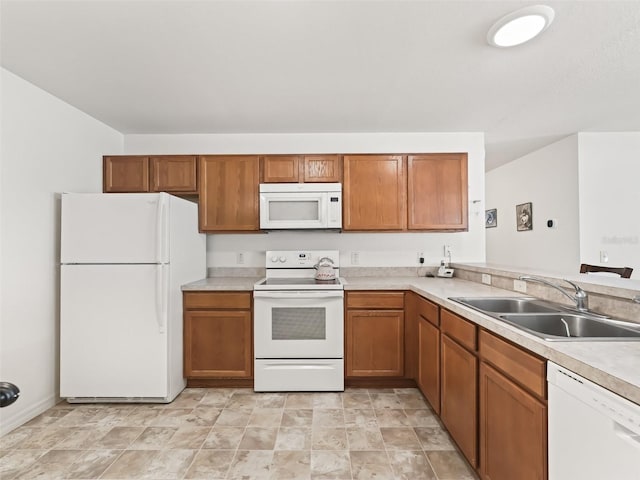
(520, 26)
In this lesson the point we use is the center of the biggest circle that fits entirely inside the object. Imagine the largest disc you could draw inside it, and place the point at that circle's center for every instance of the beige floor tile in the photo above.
(299, 401)
(368, 457)
(14, 461)
(364, 439)
(172, 417)
(291, 465)
(450, 466)
(169, 464)
(51, 465)
(82, 438)
(15, 438)
(216, 397)
(400, 438)
(385, 400)
(330, 465)
(49, 417)
(153, 438)
(297, 418)
(210, 465)
(189, 398)
(293, 438)
(271, 400)
(360, 418)
(131, 464)
(329, 438)
(391, 417)
(242, 401)
(422, 418)
(411, 465)
(140, 417)
(265, 417)
(411, 400)
(189, 438)
(45, 438)
(328, 417)
(118, 438)
(233, 418)
(224, 438)
(203, 416)
(92, 463)
(434, 438)
(356, 400)
(258, 438)
(251, 465)
(327, 400)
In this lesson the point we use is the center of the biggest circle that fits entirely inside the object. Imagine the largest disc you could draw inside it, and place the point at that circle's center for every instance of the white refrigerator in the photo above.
(123, 259)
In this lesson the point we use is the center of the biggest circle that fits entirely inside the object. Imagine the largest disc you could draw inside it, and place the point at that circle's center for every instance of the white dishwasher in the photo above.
(594, 434)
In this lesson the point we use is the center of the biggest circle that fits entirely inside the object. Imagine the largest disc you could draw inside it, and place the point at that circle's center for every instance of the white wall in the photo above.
(549, 179)
(48, 147)
(375, 249)
(609, 177)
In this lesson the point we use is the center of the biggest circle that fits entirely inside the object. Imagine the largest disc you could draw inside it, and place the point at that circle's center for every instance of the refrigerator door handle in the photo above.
(160, 230)
(161, 299)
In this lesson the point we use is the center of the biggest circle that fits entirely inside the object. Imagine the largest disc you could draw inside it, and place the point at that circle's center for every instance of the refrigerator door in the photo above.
(114, 228)
(113, 331)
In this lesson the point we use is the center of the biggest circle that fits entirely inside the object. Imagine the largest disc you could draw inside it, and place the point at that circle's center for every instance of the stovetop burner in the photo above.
(299, 281)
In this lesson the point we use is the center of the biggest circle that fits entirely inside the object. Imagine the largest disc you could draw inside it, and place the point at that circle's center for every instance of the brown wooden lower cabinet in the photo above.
(513, 432)
(429, 362)
(218, 336)
(458, 400)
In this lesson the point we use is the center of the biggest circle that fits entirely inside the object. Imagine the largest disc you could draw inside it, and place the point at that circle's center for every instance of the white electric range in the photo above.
(298, 337)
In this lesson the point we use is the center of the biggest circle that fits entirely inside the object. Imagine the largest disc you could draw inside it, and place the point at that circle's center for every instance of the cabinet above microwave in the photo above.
(295, 206)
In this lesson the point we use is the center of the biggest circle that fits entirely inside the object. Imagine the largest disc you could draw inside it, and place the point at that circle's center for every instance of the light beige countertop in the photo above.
(223, 284)
(614, 365)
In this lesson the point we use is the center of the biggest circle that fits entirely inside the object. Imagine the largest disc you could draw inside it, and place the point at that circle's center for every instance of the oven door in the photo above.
(298, 324)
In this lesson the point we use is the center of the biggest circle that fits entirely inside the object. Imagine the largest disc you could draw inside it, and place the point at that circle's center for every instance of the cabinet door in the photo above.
(281, 169)
(322, 168)
(459, 389)
(229, 193)
(374, 343)
(374, 192)
(125, 174)
(513, 433)
(174, 173)
(429, 362)
(438, 191)
(217, 344)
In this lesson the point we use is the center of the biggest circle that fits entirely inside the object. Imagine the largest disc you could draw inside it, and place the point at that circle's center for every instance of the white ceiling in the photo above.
(332, 66)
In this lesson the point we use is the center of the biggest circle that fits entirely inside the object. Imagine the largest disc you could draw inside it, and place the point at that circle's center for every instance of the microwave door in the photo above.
(293, 210)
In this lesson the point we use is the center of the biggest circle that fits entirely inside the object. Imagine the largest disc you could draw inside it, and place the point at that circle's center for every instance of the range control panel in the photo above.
(299, 258)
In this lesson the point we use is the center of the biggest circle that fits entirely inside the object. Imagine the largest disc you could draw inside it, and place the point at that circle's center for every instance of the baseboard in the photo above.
(11, 422)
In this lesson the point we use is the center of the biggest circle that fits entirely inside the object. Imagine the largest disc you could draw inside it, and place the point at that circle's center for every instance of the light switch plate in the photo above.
(486, 279)
(520, 286)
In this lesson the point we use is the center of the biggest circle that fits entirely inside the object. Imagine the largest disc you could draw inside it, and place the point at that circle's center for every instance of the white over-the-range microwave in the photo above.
(293, 206)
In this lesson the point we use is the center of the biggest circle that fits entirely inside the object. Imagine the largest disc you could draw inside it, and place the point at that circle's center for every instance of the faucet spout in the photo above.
(580, 297)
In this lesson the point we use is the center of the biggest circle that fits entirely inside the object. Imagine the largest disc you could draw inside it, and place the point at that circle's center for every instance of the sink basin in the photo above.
(507, 304)
(550, 321)
(565, 326)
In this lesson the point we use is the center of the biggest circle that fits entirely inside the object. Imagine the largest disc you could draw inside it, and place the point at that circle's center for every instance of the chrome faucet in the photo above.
(580, 297)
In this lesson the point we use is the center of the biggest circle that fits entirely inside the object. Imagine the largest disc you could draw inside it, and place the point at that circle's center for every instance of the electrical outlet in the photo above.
(355, 258)
(520, 286)
(604, 256)
(447, 250)
(239, 258)
(486, 279)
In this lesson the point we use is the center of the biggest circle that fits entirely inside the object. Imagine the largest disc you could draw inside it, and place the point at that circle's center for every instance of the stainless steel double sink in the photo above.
(551, 321)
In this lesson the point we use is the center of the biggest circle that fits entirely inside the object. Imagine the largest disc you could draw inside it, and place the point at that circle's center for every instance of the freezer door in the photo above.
(113, 331)
(114, 228)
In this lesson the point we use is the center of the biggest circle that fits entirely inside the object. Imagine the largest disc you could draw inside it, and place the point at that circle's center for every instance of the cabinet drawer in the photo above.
(521, 366)
(371, 300)
(429, 311)
(204, 300)
(458, 328)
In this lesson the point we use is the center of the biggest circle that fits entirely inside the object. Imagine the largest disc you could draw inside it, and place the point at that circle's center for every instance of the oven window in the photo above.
(294, 210)
(298, 323)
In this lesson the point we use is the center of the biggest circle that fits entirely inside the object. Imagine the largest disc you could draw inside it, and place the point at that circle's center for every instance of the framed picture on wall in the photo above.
(524, 217)
(491, 218)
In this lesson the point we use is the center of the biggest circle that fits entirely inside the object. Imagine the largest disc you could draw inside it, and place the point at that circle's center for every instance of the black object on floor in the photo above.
(9, 393)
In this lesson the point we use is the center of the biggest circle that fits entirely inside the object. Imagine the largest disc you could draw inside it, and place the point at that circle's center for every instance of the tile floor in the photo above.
(239, 434)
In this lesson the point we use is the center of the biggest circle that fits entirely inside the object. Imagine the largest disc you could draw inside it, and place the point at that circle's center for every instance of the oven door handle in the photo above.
(299, 294)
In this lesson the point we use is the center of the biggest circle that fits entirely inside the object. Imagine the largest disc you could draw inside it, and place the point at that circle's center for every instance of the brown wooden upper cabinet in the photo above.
(437, 191)
(301, 168)
(229, 193)
(137, 173)
(374, 193)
